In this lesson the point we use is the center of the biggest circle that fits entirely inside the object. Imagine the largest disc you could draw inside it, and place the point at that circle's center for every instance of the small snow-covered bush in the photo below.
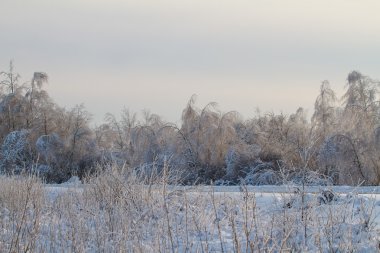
(261, 174)
(309, 178)
(16, 152)
(50, 147)
(263, 177)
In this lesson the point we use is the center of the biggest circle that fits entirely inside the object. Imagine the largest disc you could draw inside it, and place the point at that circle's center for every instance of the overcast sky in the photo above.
(154, 54)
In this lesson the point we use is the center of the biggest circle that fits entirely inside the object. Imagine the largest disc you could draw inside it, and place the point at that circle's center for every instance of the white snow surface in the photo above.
(237, 219)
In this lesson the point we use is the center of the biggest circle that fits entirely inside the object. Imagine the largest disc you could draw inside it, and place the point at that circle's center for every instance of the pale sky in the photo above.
(154, 54)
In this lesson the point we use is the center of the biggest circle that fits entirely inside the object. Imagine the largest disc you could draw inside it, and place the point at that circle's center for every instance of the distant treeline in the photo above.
(339, 145)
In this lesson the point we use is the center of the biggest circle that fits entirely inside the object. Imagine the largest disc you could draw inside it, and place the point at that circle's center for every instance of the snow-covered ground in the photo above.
(110, 214)
(223, 218)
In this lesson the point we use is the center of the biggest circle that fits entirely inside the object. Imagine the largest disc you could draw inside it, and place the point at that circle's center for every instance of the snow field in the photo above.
(113, 213)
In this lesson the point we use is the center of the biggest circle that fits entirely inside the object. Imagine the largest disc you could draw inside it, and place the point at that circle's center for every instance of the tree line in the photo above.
(340, 144)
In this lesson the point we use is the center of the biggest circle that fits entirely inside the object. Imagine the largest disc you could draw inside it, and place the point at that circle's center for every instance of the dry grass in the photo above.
(114, 212)
(21, 209)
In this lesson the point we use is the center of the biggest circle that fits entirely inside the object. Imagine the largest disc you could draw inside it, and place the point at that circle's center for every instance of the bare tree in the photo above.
(11, 79)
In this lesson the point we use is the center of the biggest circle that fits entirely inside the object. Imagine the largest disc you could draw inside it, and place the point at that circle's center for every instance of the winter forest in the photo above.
(338, 144)
(215, 183)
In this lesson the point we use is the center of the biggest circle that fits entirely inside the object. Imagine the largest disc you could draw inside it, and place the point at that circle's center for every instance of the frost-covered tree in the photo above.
(361, 92)
(339, 142)
(13, 104)
(189, 129)
(303, 140)
(79, 140)
(13, 109)
(273, 135)
(37, 99)
(361, 106)
(341, 156)
(119, 132)
(324, 109)
(208, 134)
